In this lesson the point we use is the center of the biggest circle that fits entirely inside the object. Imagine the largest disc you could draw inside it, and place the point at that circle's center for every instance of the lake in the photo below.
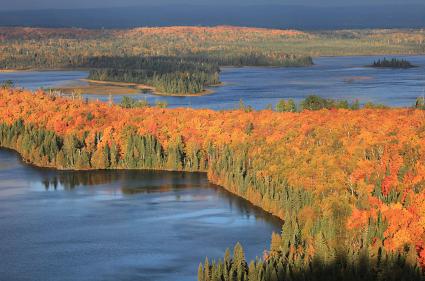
(118, 225)
(330, 77)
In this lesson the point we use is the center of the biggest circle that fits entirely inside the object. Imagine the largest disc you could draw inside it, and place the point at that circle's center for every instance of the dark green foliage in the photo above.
(286, 106)
(393, 63)
(128, 102)
(288, 266)
(35, 144)
(45, 148)
(90, 116)
(167, 74)
(150, 65)
(314, 102)
(143, 152)
(251, 59)
(317, 103)
(230, 268)
(420, 103)
(371, 105)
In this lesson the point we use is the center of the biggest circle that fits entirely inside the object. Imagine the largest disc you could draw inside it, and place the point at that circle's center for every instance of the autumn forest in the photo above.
(345, 179)
(348, 184)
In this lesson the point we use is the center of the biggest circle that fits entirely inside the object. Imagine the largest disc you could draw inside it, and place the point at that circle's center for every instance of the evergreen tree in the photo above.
(200, 273)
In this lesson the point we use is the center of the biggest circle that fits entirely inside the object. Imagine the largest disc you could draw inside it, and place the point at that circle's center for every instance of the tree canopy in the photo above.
(348, 184)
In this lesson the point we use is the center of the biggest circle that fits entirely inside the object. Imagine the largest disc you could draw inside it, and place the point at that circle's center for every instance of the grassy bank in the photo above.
(118, 88)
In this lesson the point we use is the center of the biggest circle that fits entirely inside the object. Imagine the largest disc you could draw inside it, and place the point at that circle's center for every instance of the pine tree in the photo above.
(207, 272)
(200, 273)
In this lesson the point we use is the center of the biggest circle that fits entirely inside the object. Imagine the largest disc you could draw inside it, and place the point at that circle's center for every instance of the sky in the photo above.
(78, 4)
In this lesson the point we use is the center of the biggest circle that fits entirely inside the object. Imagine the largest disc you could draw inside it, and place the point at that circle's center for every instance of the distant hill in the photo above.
(273, 16)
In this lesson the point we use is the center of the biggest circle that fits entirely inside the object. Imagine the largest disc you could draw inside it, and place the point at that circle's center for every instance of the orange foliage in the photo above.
(218, 32)
(7, 33)
(366, 155)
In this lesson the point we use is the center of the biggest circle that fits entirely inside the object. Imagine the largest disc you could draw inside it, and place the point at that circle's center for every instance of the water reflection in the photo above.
(161, 188)
(118, 225)
(132, 181)
(136, 182)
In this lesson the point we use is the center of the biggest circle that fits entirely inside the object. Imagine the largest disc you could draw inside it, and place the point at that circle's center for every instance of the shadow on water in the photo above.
(135, 182)
(118, 224)
(138, 182)
(129, 181)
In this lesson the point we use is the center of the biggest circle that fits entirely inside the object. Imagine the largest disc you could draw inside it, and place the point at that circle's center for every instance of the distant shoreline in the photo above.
(395, 54)
(42, 70)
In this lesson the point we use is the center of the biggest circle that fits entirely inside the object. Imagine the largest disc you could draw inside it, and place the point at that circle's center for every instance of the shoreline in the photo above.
(370, 55)
(224, 188)
(150, 88)
(228, 66)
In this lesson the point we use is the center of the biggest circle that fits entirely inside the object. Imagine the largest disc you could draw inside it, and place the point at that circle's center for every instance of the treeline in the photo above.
(48, 149)
(393, 63)
(232, 58)
(178, 75)
(128, 102)
(314, 102)
(203, 62)
(68, 61)
(172, 83)
(290, 266)
(351, 196)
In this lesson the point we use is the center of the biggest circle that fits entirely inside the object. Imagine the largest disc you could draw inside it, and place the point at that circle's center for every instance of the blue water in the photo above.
(333, 77)
(42, 79)
(118, 225)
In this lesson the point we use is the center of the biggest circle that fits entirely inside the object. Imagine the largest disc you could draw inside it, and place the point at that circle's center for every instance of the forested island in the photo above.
(393, 63)
(166, 74)
(350, 196)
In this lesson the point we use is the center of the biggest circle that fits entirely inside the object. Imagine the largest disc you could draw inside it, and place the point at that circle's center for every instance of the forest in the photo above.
(23, 48)
(348, 183)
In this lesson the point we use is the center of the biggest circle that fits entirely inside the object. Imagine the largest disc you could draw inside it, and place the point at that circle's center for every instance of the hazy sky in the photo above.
(46, 4)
